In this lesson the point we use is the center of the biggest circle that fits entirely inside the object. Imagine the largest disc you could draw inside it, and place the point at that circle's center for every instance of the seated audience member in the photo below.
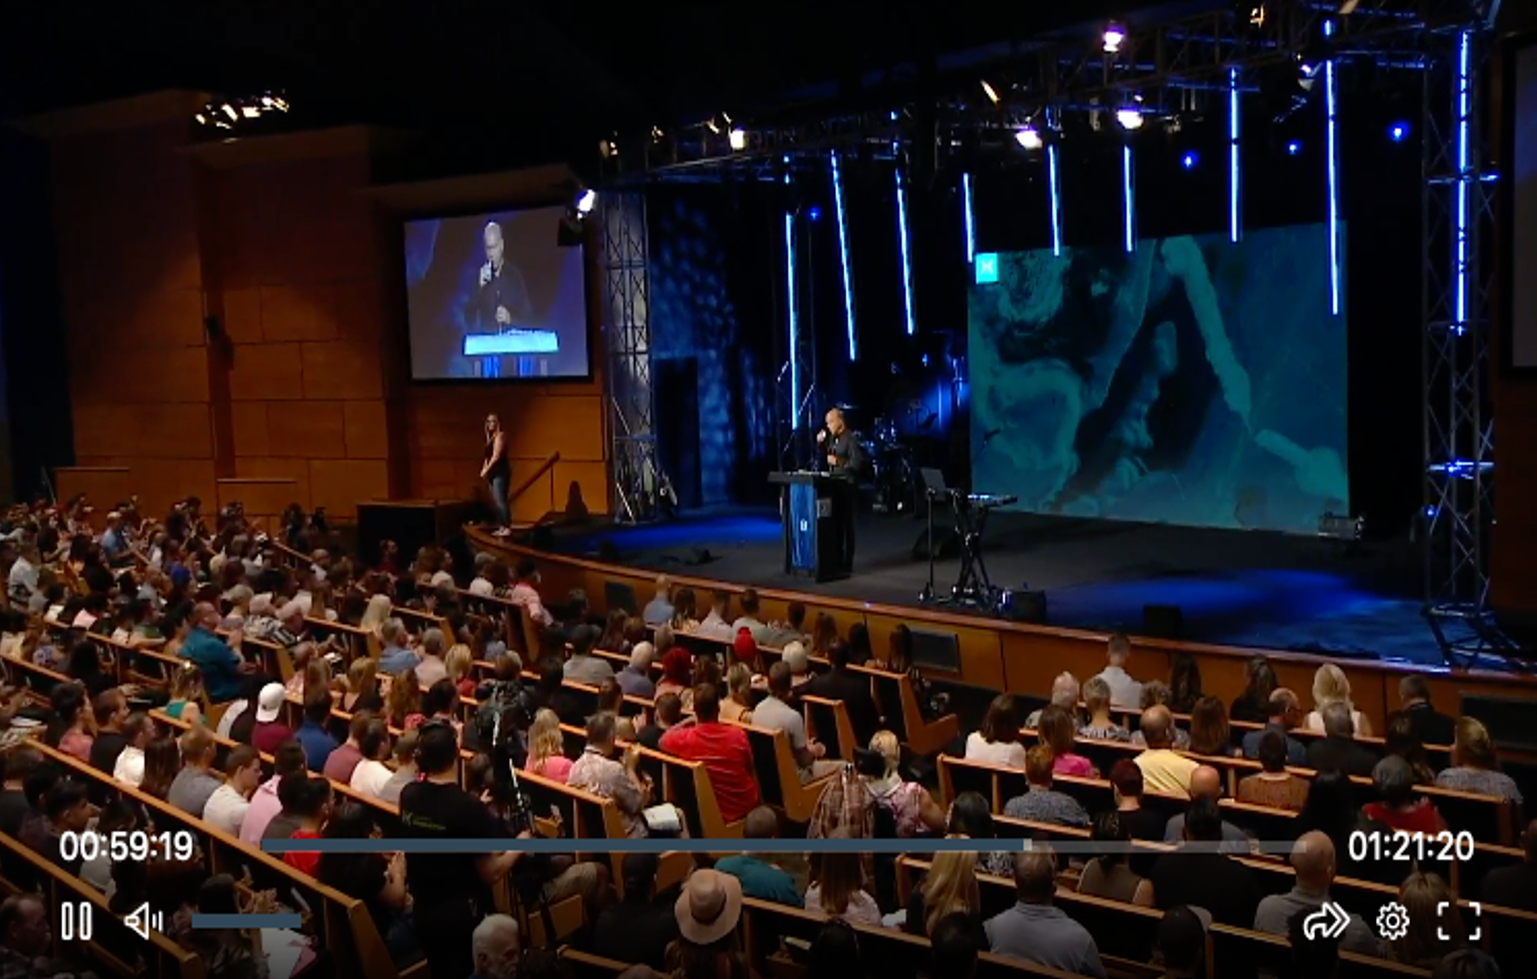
(269, 731)
(603, 771)
(1156, 693)
(26, 938)
(1426, 723)
(1034, 929)
(792, 629)
(1467, 963)
(737, 707)
(396, 656)
(221, 666)
(913, 809)
(239, 718)
(1510, 886)
(1206, 783)
(431, 668)
(311, 807)
(1253, 705)
(376, 879)
(547, 746)
(677, 672)
(1197, 874)
(68, 726)
(760, 876)
(660, 609)
(1399, 739)
(838, 890)
(138, 731)
(1184, 682)
(1398, 806)
(1110, 875)
(196, 781)
(775, 713)
(724, 750)
(1210, 733)
(717, 624)
(341, 763)
(749, 618)
(525, 594)
(1125, 692)
(1339, 749)
(950, 887)
(1126, 787)
(1040, 804)
(637, 928)
(265, 804)
(1313, 859)
(1064, 694)
(667, 715)
(1182, 941)
(1057, 730)
(635, 679)
(1281, 714)
(1163, 769)
(799, 661)
(1101, 726)
(997, 740)
(481, 585)
(162, 763)
(1432, 934)
(66, 810)
(312, 734)
(1274, 786)
(842, 683)
(372, 774)
(111, 714)
(953, 949)
(971, 818)
(405, 769)
(708, 912)
(226, 808)
(1331, 686)
(582, 666)
(1475, 766)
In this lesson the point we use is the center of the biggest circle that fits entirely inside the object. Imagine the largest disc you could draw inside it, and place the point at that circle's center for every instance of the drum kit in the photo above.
(894, 471)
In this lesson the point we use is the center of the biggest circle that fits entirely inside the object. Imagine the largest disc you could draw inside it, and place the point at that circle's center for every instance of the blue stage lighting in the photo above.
(1332, 105)
(843, 255)
(1294, 147)
(904, 240)
(971, 227)
(790, 291)
(1190, 159)
(815, 213)
(1464, 114)
(1232, 155)
(1126, 197)
(1398, 132)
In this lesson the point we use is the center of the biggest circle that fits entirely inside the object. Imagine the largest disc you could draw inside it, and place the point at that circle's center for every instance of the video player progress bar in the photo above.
(246, 921)
(669, 845)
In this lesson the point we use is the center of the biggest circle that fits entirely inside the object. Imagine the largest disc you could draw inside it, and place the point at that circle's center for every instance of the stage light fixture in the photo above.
(202, 120)
(1464, 114)
(970, 215)
(1256, 15)
(1398, 132)
(250, 111)
(1190, 159)
(1332, 133)
(843, 256)
(1129, 118)
(229, 110)
(585, 202)
(1029, 138)
(990, 92)
(738, 138)
(814, 213)
(1128, 192)
(1293, 147)
(1115, 36)
(1054, 188)
(1233, 130)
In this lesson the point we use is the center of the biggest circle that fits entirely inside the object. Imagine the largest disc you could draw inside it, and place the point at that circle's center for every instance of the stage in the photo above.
(1238, 588)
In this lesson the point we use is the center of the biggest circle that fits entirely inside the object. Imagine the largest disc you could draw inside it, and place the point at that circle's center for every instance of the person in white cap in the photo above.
(270, 731)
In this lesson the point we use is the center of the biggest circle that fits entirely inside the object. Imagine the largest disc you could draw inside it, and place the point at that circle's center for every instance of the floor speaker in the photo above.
(1163, 621)
(947, 545)
(1028, 606)
(411, 524)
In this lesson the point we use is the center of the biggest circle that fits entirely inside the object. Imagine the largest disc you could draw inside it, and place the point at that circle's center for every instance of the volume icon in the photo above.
(140, 920)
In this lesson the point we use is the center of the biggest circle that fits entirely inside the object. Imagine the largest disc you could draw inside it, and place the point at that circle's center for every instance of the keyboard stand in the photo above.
(973, 588)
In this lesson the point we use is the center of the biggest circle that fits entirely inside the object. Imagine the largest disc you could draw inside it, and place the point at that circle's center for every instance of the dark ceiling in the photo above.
(507, 72)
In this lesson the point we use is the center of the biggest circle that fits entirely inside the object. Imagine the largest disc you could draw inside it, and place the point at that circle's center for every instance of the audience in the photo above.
(226, 808)
(1398, 805)
(582, 666)
(1427, 724)
(1274, 786)
(1100, 725)
(1126, 786)
(1281, 713)
(997, 740)
(1201, 873)
(949, 888)
(775, 713)
(1253, 705)
(1339, 749)
(1125, 693)
(1064, 694)
(842, 683)
(725, 751)
(659, 610)
(635, 679)
(1110, 875)
(1163, 769)
(1037, 931)
(838, 890)
(1206, 783)
(1040, 803)
(760, 876)
(196, 781)
(1313, 859)
(637, 929)
(1057, 730)
(1330, 686)
(1475, 767)
(913, 809)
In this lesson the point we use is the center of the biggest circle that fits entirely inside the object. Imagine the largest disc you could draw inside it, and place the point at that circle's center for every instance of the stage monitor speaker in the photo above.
(411, 524)
(1163, 621)
(1028, 606)
(947, 545)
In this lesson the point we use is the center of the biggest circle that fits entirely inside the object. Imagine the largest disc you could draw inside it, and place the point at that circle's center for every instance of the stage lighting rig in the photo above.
(1130, 118)
(228, 114)
(737, 138)
(990, 92)
(1114, 37)
(1028, 137)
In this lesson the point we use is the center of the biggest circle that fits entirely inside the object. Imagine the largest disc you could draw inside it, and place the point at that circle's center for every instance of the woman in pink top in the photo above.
(546, 747)
(1056, 729)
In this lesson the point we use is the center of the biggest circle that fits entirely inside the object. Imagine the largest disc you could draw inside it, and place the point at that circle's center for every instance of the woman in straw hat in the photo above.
(708, 911)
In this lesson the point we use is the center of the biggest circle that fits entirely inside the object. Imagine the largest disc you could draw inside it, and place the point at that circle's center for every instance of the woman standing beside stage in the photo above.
(496, 472)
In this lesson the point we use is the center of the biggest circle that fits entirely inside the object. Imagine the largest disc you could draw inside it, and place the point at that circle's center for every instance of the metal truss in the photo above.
(1459, 271)
(637, 488)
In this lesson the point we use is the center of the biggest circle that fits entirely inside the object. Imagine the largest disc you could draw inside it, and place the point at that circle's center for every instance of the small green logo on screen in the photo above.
(987, 267)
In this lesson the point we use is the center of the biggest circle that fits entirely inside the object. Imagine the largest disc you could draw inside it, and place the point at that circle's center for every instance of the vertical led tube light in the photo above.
(1053, 179)
(904, 238)
(1232, 155)
(1127, 199)
(1464, 111)
(1334, 171)
(790, 297)
(843, 254)
(971, 228)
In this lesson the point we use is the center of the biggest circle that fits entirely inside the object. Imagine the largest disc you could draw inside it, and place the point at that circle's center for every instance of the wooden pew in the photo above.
(828, 721)
(160, 956)
(779, 781)
(898, 703)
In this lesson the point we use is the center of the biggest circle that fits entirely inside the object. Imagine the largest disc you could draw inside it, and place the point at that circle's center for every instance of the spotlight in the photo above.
(814, 213)
(990, 92)
(1190, 159)
(202, 120)
(229, 110)
(1293, 147)
(1129, 118)
(1115, 34)
(1256, 15)
(738, 138)
(251, 111)
(1029, 138)
(1398, 132)
(585, 202)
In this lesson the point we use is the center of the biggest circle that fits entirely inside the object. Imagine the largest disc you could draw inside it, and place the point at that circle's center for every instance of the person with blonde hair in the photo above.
(950, 887)
(1101, 726)
(1475, 766)
(912, 807)
(459, 665)
(546, 747)
(1331, 686)
(738, 703)
(376, 614)
(364, 691)
(839, 889)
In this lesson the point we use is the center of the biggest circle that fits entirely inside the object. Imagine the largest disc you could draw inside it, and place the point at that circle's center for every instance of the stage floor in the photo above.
(1240, 588)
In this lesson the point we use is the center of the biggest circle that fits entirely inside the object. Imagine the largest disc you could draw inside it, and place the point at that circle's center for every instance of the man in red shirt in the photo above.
(312, 806)
(724, 750)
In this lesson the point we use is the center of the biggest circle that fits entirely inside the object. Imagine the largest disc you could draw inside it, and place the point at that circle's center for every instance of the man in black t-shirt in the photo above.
(111, 710)
(451, 891)
(637, 929)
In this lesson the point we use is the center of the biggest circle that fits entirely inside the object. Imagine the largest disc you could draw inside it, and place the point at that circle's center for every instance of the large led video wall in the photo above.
(1194, 381)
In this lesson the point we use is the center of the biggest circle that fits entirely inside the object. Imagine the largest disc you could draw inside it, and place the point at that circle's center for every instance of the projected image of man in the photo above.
(500, 301)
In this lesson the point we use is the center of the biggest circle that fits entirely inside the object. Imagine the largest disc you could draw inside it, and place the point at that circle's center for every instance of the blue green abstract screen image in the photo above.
(1194, 381)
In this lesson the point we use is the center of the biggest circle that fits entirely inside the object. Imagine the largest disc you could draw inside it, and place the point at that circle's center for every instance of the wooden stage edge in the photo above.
(1020, 657)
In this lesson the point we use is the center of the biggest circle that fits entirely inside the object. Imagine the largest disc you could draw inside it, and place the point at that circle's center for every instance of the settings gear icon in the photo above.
(1392, 921)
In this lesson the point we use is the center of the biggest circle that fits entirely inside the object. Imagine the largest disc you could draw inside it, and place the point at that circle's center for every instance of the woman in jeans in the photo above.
(496, 471)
